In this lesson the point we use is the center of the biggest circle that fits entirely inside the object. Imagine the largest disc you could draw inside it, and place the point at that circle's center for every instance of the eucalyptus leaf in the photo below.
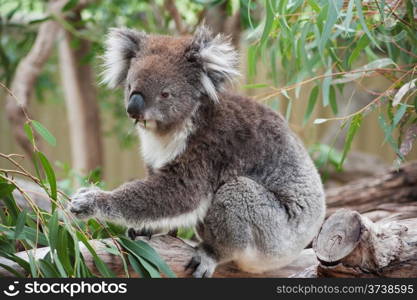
(43, 132)
(364, 70)
(409, 86)
(355, 123)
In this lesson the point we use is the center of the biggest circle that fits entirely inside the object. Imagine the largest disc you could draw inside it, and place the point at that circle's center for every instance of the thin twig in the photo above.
(279, 91)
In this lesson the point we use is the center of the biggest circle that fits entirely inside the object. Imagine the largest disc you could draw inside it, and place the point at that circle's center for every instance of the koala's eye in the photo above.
(165, 95)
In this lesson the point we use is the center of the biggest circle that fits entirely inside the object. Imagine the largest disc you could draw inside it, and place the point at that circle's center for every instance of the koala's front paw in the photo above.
(84, 203)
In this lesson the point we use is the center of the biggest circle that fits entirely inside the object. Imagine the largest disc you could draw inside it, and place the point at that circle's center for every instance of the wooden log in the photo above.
(176, 252)
(351, 245)
(381, 193)
(377, 198)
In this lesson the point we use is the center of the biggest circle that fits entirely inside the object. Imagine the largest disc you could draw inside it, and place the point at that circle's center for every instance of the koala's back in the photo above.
(241, 137)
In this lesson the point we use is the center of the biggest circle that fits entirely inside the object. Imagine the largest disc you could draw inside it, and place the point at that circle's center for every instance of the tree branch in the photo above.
(28, 71)
(174, 251)
(175, 14)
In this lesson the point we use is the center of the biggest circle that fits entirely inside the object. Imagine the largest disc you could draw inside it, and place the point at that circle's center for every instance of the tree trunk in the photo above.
(24, 80)
(383, 195)
(350, 245)
(217, 20)
(81, 102)
(28, 71)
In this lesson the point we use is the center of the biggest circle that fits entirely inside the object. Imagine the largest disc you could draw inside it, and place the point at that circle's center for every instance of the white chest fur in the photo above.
(159, 150)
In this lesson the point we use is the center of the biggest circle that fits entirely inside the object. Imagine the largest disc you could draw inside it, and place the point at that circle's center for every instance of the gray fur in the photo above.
(240, 174)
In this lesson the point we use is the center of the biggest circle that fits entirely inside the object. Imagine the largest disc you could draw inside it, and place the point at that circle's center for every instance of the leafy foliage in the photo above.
(324, 43)
(332, 43)
(26, 229)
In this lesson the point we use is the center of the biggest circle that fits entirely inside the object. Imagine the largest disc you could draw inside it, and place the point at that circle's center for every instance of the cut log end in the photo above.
(351, 245)
(338, 237)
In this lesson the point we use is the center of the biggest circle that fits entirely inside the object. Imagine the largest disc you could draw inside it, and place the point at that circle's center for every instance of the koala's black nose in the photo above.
(135, 106)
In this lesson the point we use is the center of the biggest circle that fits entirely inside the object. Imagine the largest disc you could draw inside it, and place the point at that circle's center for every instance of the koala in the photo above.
(221, 162)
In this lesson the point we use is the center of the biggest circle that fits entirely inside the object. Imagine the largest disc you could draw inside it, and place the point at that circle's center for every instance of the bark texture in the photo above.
(387, 194)
(81, 101)
(24, 80)
(351, 245)
(29, 68)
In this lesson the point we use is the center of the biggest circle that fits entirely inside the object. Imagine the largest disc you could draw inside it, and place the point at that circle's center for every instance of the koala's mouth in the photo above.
(146, 124)
(141, 122)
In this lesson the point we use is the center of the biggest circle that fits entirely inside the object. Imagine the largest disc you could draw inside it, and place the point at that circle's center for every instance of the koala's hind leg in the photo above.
(245, 224)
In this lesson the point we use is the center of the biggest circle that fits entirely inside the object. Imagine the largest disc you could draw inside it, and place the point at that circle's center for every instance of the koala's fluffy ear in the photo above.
(121, 46)
(218, 60)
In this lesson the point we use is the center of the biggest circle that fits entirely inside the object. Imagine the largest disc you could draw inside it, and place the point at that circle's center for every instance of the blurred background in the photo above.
(50, 58)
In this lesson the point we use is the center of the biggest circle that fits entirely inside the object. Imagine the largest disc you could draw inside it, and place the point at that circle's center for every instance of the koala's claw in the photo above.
(173, 232)
(194, 262)
(202, 264)
(83, 203)
(132, 233)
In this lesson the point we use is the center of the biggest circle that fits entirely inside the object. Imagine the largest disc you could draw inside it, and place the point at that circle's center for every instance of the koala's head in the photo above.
(166, 78)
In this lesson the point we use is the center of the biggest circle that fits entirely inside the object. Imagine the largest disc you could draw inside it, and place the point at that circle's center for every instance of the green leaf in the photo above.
(314, 5)
(153, 273)
(20, 261)
(364, 70)
(48, 269)
(358, 5)
(142, 249)
(33, 265)
(252, 55)
(59, 265)
(409, 86)
(137, 267)
(20, 223)
(326, 87)
(388, 135)
(232, 7)
(64, 249)
(44, 133)
(50, 175)
(288, 110)
(398, 115)
(70, 5)
(6, 189)
(40, 20)
(101, 266)
(332, 99)
(12, 271)
(355, 123)
(11, 13)
(255, 86)
(331, 18)
(360, 45)
(29, 234)
(320, 121)
(269, 20)
(349, 15)
(7, 196)
(29, 133)
(186, 233)
(53, 229)
(323, 153)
